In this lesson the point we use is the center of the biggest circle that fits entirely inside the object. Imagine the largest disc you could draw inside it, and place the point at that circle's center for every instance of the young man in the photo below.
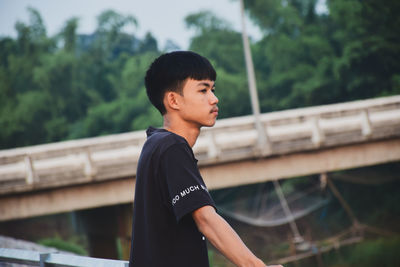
(173, 211)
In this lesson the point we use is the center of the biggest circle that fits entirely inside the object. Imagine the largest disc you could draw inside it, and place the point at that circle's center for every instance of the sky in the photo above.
(163, 18)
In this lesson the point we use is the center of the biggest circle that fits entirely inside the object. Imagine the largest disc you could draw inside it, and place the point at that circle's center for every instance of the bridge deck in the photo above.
(94, 172)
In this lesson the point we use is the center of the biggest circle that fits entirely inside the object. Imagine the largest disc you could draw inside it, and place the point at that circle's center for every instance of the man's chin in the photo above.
(209, 124)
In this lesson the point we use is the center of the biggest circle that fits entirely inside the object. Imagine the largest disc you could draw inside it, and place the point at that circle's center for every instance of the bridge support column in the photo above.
(108, 231)
(125, 213)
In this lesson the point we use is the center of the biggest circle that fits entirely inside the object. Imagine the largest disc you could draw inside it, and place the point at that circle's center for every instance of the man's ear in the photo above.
(171, 100)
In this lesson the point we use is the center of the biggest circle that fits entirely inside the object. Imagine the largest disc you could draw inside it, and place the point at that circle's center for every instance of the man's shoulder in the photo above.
(161, 140)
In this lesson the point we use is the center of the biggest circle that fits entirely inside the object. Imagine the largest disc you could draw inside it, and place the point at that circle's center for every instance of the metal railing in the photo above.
(36, 258)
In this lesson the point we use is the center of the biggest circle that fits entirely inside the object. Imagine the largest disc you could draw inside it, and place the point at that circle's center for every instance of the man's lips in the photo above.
(214, 110)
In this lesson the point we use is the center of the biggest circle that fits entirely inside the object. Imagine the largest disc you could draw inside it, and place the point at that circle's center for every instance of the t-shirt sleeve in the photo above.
(186, 189)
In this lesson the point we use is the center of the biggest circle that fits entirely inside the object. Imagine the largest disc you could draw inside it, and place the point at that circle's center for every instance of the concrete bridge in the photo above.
(100, 171)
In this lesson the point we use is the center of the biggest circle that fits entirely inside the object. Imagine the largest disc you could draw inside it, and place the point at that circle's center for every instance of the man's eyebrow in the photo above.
(212, 85)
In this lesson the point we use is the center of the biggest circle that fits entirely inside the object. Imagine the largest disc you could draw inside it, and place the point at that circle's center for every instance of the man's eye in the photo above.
(203, 90)
(213, 90)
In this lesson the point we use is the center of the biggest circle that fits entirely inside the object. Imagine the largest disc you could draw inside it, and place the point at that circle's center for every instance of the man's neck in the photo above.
(189, 132)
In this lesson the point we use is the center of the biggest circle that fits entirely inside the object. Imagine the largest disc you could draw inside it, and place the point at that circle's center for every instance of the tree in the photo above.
(149, 44)
(216, 40)
(72, 86)
(308, 59)
(69, 35)
(369, 46)
(23, 111)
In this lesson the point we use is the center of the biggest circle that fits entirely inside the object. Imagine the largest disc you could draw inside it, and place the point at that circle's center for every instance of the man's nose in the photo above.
(214, 99)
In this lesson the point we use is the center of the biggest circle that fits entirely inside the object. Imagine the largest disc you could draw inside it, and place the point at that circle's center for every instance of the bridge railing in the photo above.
(116, 156)
(302, 129)
(35, 258)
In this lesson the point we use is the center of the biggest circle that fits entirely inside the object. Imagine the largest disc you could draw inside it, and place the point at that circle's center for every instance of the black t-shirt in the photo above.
(169, 188)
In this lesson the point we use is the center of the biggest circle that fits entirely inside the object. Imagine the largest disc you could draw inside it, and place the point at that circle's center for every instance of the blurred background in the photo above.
(75, 70)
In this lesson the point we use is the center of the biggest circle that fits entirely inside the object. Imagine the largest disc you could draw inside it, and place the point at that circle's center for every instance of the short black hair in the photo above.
(169, 71)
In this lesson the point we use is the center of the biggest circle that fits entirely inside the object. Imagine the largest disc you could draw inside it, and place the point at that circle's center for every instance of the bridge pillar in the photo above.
(108, 231)
(125, 213)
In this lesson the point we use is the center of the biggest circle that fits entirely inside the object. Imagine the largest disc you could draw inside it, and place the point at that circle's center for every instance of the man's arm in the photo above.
(224, 238)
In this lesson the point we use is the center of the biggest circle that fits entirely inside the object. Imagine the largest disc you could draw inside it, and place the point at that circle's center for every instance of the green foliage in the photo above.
(211, 257)
(310, 59)
(149, 44)
(223, 46)
(22, 120)
(73, 86)
(380, 252)
(69, 34)
(63, 245)
(83, 86)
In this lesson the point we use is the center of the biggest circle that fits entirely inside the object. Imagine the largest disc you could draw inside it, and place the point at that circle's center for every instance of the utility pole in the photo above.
(263, 144)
